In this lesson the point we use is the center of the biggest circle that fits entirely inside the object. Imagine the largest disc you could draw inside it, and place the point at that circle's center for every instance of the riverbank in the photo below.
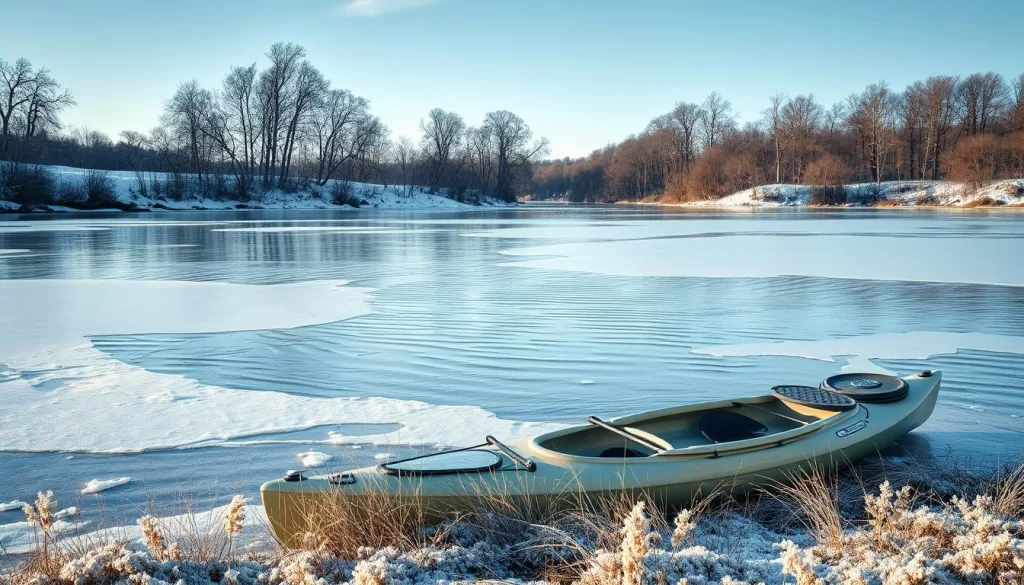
(1008, 193)
(71, 189)
(892, 520)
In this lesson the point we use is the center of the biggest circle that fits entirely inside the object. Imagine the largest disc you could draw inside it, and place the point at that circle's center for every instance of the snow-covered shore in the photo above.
(934, 524)
(1004, 193)
(125, 188)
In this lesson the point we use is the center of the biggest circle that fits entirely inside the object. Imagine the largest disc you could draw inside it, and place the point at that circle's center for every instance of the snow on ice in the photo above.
(96, 486)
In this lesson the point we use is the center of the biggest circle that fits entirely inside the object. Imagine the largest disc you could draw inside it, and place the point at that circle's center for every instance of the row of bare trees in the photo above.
(268, 127)
(494, 158)
(969, 129)
(280, 126)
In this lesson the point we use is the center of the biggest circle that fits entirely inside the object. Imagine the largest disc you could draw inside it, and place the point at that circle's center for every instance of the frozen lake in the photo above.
(200, 353)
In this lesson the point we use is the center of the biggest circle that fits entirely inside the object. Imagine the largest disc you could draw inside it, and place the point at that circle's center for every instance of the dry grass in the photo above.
(887, 203)
(815, 492)
(910, 535)
(981, 202)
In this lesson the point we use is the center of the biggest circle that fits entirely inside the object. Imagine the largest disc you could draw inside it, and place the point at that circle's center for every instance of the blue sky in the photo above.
(582, 73)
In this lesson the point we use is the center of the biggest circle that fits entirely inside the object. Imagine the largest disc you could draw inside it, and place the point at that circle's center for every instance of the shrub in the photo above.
(864, 194)
(343, 194)
(828, 195)
(982, 202)
(98, 188)
(973, 161)
(827, 170)
(25, 185)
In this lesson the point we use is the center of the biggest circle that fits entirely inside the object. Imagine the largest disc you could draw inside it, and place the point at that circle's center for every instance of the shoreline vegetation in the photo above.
(68, 189)
(888, 521)
(1006, 193)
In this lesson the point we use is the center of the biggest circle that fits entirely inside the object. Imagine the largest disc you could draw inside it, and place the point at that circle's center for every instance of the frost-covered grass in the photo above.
(126, 189)
(942, 525)
(1003, 193)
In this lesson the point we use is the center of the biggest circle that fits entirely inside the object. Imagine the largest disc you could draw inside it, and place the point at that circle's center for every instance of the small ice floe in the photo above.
(586, 382)
(313, 458)
(96, 486)
(383, 456)
(12, 505)
(70, 457)
(66, 512)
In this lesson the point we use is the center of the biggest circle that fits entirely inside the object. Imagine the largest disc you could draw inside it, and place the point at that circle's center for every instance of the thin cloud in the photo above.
(371, 8)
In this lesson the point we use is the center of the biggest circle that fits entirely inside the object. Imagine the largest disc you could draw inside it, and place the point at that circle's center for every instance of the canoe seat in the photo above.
(723, 426)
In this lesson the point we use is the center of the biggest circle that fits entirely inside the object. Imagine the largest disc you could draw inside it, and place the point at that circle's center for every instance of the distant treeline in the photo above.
(279, 126)
(969, 129)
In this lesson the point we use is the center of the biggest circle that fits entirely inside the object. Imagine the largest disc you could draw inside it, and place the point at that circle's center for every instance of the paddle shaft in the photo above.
(526, 463)
(624, 433)
(796, 420)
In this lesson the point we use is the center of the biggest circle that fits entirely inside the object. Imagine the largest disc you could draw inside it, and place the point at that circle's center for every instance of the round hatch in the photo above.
(469, 461)
(867, 387)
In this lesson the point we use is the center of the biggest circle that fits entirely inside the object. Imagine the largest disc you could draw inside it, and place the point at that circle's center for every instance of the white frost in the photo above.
(96, 486)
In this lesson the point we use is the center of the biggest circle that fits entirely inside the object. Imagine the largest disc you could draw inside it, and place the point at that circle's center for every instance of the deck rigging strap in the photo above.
(624, 433)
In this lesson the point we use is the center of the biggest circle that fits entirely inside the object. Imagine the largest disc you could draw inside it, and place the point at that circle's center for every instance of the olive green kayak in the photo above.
(671, 455)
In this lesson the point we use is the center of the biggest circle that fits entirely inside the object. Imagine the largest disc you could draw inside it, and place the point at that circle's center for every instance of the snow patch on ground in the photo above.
(125, 186)
(903, 193)
(858, 351)
(314, 458)
(96, 486)
(18, 537)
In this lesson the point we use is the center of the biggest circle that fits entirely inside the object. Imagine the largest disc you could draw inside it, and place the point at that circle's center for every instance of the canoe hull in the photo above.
(561, 481)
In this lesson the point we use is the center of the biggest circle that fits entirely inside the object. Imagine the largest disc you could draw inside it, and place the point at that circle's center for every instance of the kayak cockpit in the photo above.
(699, 429)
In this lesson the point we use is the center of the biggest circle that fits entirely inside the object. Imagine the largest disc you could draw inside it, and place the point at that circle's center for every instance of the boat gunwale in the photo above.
(710, 450)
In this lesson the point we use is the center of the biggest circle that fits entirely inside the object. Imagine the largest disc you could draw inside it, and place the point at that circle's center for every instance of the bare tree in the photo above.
(872, 117)
(16, 79)
(773, 119)
(276, 94)
(342, 129)
(715, 119)
(514, 149)
(307, 91)
(187, 116)
(405, 158)
(982, 98)
(939, 95)
(442, 135)
(240, 108)
(801, 119)
(46, 100)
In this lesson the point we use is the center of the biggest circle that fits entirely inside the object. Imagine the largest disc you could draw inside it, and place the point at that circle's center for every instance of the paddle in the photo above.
(624, 433)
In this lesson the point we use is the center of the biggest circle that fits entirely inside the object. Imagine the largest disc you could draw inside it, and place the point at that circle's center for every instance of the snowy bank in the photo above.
(944, 526)
(131, 191)
(1009, 192)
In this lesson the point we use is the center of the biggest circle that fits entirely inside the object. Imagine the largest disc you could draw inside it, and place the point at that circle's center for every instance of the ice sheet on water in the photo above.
(858, 351)
(87, 395)
(865, 257)
(12, 505)
(96, 486)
